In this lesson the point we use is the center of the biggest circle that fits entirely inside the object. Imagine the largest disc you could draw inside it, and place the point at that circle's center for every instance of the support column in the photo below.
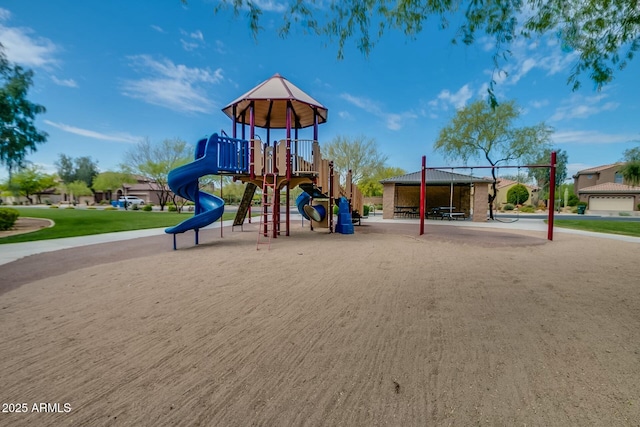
(480, 202)
(388, 201)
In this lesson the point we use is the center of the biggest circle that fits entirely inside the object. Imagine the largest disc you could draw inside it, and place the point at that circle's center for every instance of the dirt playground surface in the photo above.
(458, 327)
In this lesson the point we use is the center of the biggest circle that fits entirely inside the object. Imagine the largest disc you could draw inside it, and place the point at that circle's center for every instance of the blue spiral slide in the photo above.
(184, 182)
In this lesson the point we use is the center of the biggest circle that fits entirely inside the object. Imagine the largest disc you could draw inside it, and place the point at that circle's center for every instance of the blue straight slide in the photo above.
(184, 182)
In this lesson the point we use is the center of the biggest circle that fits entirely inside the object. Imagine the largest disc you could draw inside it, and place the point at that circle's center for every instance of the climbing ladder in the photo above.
(268, 215)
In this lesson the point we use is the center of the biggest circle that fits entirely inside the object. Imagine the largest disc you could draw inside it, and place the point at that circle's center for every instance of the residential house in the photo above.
(144, 188)
(603, 188)
(503, 186)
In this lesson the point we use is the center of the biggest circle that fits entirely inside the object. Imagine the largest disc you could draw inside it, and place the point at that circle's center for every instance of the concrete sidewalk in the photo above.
(13, 251)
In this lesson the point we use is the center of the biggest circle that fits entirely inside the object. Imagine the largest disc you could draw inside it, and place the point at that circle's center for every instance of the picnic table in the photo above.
(407, 211)
(448, 212)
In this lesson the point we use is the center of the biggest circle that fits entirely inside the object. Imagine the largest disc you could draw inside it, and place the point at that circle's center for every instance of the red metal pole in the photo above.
(423, 186)
(552, 194)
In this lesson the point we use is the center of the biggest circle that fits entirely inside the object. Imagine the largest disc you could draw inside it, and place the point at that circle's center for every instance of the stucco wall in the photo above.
(480, 202)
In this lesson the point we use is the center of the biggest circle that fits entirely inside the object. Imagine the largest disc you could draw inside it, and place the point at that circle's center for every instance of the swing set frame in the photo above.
(552, 186)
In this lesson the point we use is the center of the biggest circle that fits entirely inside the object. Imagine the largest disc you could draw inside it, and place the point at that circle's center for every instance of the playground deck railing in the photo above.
(233, 154)
(305, 157)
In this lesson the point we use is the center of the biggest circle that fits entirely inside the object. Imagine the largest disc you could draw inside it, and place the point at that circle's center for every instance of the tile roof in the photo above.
(597, 168)
(610, 187)
(503, 182)
(434, 177)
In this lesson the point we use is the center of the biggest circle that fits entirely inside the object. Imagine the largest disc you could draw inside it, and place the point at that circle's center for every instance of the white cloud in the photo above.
(591, 137)
(170, 85)
(24, 48)
(5, 15)
(271, 6)
(193, 40)
(345, 115)
(220, 47)
(526, 56)
(458, 99)
(158, 28)
(581, 107)
(64, 82)
(393, 121)
(117, 137)
(539, 104)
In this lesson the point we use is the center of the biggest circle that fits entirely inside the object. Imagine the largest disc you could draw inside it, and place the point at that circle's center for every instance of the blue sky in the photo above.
(113, 72)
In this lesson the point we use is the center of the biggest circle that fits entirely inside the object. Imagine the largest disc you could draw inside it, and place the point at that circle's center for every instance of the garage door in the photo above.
(611, 203)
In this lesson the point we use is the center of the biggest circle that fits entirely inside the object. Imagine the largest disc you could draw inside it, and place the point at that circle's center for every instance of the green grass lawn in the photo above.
(83, 222)
(627, 228)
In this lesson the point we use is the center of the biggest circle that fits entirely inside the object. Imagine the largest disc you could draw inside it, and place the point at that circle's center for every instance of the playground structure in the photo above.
(275, 104)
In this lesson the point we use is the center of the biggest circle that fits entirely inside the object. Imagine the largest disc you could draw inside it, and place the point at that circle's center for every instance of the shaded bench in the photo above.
(443, 212)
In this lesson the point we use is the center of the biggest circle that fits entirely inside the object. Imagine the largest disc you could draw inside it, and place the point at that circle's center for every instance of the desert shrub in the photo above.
(110, 208)
(624, 214)
(91, 207)
(335, 209)
(104, 202)
(527, 209)
(365, 210)
(508, 207)
(517, 195)
(147, 208)
(573, 200)
(8, 218)
(582, 204)
(638, 206)
(47, 202)
(172, 208)
(70, 207)
(54, 206)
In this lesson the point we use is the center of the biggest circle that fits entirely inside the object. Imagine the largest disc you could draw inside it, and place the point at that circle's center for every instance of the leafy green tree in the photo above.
(77, 189)
(604, 34)
(517, 195)
(371, 187)
(542, 176)
(108, 182)
(31, 180)
(155, 161)
(480, 132)
(631, 169)
(18, 135)
(79, 169)
(359, 155)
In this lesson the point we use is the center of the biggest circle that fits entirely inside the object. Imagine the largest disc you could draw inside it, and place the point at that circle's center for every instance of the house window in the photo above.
(618, 178)
(589, 176)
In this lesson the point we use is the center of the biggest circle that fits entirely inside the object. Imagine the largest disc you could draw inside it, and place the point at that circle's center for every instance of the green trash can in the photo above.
(581, 209)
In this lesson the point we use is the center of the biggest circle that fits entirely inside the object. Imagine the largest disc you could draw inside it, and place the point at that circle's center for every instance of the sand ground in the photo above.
(458, 327)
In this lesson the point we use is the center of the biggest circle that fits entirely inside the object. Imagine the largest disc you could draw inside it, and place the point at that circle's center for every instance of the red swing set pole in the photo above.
(552, 194)
(423, 193)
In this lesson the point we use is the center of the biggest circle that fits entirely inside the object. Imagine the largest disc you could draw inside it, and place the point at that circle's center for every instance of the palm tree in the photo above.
(631, 169)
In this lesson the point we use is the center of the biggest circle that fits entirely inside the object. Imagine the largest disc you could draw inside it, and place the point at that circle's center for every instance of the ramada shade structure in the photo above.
(270, 100)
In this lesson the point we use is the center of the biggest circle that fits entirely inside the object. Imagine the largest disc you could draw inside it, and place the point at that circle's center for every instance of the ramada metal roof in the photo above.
(435, 177)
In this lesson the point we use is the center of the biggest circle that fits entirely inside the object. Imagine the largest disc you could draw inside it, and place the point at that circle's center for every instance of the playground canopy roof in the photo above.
(270, 100)
(434, 177)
